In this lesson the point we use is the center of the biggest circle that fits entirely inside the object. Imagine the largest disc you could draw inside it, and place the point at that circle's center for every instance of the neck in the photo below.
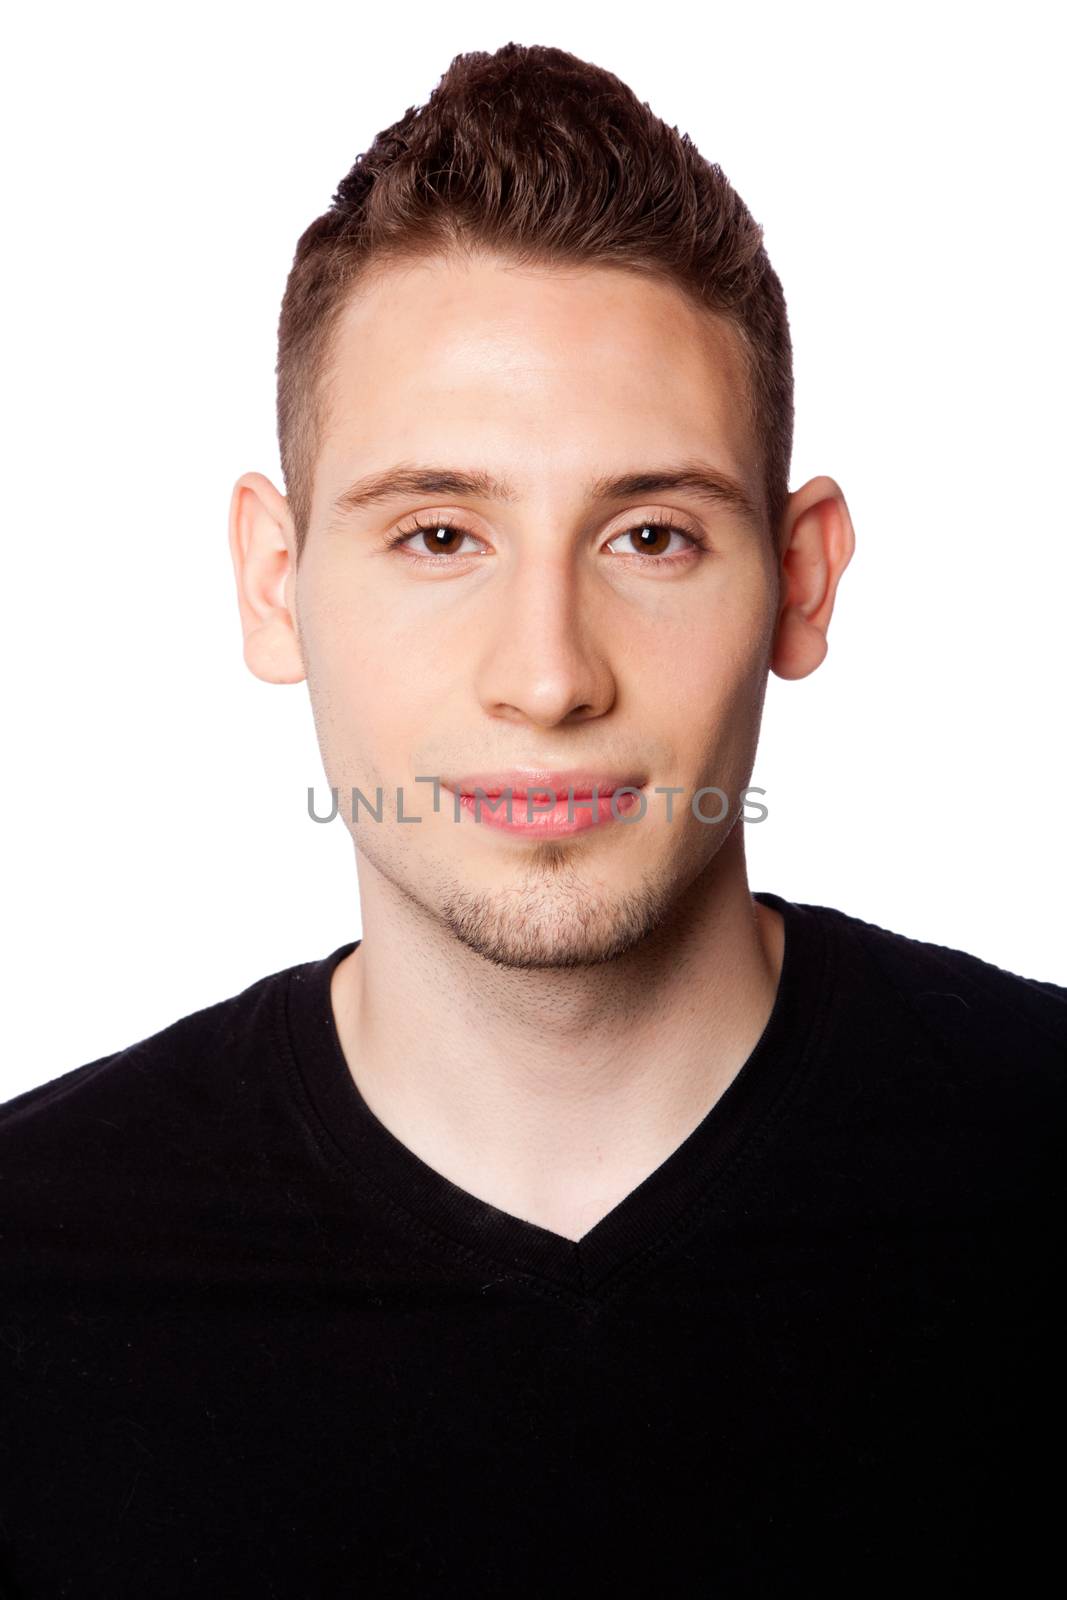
(552, 1093)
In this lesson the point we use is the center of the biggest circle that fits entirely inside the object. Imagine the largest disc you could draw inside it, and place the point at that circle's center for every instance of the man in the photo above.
(590, 1225)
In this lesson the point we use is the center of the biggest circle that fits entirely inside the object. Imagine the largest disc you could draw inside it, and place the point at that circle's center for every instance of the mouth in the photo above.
(545, 804)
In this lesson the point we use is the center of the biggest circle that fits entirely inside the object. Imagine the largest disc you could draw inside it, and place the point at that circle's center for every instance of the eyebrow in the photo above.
(707, 483)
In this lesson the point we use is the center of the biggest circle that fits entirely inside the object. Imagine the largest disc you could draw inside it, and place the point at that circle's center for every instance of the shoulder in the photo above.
(189, 1047)
(167, 1112)
(943, 1075)
(914, 966)
(950, 1005)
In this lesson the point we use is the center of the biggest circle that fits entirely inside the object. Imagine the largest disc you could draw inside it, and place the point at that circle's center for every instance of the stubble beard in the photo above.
(555, 916)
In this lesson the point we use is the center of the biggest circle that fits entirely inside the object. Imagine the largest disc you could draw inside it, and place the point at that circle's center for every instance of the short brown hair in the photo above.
(538, 155)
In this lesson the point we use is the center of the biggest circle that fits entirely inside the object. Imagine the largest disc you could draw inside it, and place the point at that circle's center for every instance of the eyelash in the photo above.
(403, 535)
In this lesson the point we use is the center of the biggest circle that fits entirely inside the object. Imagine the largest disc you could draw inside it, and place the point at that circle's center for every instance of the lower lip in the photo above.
(566, 816)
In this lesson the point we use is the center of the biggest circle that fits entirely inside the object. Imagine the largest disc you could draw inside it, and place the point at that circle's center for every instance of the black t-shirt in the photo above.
(251, 1344)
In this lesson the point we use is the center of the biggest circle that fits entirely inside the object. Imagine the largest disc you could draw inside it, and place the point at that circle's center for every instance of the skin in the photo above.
(542, 1022)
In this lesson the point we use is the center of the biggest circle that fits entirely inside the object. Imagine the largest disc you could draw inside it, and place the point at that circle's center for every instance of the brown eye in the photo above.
(441, 540)
(651, 538)
(654, 539)
(427, 540)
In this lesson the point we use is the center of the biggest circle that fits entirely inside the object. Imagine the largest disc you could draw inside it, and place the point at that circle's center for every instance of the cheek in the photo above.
(346, 635)
(706, 662)
(708, 698)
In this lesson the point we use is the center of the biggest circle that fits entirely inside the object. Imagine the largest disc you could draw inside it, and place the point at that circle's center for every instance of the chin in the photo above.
(537, 929)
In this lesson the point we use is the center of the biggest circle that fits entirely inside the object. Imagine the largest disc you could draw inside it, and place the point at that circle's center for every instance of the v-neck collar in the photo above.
(644, 1216)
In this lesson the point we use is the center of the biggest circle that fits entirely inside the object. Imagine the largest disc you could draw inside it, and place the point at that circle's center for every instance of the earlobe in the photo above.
(819, 541)
(262, 548)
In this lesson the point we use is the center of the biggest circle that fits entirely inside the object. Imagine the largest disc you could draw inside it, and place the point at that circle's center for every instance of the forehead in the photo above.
(571, 362)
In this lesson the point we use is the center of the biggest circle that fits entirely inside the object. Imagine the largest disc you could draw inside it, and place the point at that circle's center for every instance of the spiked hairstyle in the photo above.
(532, 153)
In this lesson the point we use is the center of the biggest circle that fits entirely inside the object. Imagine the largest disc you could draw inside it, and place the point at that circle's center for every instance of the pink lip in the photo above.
(543, 782)
(575, 811)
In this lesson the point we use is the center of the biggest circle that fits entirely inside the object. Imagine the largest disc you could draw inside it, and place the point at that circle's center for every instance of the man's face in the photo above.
(541, 629)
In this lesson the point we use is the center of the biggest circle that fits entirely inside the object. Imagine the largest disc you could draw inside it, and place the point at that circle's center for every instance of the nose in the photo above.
(545, 656)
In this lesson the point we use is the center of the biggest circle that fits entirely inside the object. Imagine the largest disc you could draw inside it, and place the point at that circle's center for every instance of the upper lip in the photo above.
(539, 780)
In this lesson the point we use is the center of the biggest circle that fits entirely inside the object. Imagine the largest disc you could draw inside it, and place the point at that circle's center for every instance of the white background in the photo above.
(160, 164)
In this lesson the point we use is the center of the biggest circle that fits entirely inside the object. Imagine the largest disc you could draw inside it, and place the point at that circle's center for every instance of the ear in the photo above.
(263, 549)
(818, 542)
